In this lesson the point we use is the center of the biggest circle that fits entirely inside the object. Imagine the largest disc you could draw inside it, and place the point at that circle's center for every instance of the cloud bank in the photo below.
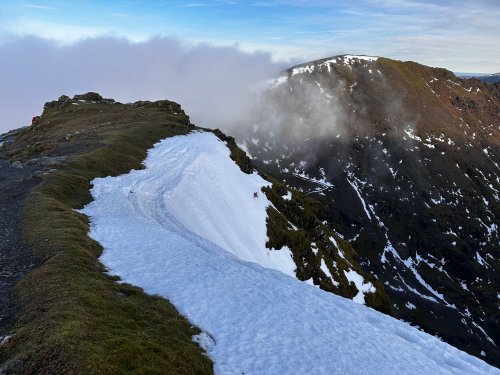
(211, 83)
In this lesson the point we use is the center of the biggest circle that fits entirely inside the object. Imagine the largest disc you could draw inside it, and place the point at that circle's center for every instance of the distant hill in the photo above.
(490, 78)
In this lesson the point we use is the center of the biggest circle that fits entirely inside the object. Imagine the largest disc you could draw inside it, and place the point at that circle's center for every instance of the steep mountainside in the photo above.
(405, 162)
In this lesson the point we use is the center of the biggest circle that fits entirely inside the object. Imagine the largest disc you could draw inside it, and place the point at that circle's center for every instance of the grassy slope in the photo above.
(75, 318)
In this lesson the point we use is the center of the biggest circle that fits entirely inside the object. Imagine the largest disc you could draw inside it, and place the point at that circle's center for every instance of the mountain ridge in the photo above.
(87, 136)
(71, 316)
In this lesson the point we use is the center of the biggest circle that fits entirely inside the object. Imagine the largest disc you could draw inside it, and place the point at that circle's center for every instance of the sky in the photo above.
(458, 35)
(261, 37)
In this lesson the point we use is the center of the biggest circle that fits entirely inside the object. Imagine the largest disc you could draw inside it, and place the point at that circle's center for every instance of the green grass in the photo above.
(301, 212)
(75, 318)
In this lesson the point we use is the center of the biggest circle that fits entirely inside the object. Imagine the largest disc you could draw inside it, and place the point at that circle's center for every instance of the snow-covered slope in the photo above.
(192, 186)
(189, 228)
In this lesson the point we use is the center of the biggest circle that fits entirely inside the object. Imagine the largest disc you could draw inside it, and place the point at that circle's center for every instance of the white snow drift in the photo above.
(188, 227)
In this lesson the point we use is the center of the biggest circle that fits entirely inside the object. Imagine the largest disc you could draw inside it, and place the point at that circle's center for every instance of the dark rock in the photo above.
(64, 99)
(90, 96)
(35, 120)
(121, 294)
(47, 161)
(39, 174)
(51, 104)
(17, 164)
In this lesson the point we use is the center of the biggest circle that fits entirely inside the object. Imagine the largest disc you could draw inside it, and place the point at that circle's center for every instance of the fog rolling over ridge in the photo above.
(211, 83)
(303, 108)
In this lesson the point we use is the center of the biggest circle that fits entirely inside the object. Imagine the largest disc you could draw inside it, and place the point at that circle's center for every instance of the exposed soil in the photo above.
(16, 261)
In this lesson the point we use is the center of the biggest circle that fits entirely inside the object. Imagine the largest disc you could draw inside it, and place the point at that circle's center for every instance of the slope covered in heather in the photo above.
(404, 160)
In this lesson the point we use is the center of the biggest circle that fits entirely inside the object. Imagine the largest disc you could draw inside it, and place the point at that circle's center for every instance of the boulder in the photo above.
(17, 164)
(64, 99)
(90, 96)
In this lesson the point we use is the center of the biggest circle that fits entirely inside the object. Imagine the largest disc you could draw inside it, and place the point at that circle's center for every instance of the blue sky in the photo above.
(458, 35)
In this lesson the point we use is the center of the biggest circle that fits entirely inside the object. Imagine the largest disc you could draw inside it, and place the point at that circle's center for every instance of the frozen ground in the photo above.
(188, 227)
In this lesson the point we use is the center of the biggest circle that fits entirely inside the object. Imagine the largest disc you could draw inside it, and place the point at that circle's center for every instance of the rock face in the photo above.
(65, 100)
(404, 160)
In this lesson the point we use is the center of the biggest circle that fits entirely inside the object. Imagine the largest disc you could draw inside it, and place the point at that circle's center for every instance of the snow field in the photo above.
(189, 228)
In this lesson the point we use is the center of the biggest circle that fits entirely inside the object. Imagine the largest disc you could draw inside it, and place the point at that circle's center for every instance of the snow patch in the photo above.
(261, 321)
(327, 272)
(205, 341)
(410, 306)
(349, 59)
(191, 184)
(363, 203)
(303, 69)
(389, 248)
(361, 286)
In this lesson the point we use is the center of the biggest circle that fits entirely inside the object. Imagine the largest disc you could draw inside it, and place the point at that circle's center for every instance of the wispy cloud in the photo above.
(208, 4)
(37, 6)
(195, 5)
(62, 33)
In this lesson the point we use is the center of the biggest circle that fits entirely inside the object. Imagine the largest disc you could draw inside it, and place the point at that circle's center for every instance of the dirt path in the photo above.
(16, 180)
